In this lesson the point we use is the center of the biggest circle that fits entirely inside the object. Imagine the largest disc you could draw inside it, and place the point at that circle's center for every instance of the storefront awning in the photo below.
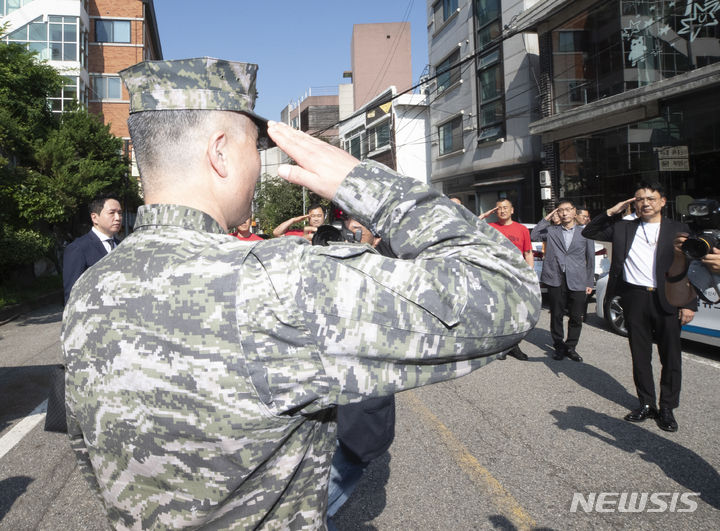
(493, 182)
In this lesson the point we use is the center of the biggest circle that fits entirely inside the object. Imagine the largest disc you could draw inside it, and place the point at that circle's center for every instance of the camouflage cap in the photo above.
(202, 83)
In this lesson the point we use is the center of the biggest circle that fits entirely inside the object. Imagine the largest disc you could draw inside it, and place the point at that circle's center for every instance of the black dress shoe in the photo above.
(666, 420)
(502, 356)
(573, 355)
(518, 354)
(559, 354)
(642, 413)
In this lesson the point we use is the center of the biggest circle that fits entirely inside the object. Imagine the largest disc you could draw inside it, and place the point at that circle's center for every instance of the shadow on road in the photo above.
(584, 374)
(369, 499)
(10, 490)
(677, 462)
(25, 388)
(46, 315)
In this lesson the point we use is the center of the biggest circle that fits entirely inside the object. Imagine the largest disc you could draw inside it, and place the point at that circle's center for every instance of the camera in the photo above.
(703, 218)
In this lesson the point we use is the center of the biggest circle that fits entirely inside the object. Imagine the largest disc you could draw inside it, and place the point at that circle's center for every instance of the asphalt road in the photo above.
(507, 447)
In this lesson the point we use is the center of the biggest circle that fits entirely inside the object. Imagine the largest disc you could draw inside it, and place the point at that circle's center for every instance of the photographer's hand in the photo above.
(712, 261)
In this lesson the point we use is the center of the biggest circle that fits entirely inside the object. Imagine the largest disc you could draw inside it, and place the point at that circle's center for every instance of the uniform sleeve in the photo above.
(360, 324)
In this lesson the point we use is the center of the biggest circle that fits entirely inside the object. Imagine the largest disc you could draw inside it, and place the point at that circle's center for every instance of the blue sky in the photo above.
(298, 44)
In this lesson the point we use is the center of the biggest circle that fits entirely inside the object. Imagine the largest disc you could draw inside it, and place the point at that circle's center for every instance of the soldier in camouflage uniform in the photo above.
(201, 370)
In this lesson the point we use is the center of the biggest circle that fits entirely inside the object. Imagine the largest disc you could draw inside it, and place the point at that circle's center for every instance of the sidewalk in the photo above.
(9, 313)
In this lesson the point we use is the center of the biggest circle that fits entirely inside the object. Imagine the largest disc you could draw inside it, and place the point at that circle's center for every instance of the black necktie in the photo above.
(112, 243)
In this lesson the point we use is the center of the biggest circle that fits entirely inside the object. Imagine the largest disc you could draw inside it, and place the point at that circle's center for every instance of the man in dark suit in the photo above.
(83, 252)
(568, 274)
(642, 253)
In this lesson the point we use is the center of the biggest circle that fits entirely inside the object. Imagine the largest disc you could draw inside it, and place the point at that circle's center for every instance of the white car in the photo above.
(704, 328)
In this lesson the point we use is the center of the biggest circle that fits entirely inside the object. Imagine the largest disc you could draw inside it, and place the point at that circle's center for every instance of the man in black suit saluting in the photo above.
(83, 252)
(641, 256)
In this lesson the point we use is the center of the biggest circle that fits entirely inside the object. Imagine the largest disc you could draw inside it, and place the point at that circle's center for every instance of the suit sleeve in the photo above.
(601, 227)
(590, 256)
(539, 232)
(74, 265)
(371, 325)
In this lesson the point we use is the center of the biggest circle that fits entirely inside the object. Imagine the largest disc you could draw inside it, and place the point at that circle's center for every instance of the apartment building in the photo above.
(89, 42)
(629, 93)
(392, 129)
(483, 94)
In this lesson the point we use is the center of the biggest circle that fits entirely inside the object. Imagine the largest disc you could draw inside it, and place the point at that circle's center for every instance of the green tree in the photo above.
(277, 200)
(50, 166)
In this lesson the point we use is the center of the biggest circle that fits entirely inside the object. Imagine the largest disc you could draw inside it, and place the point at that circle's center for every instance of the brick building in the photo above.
(89, 41)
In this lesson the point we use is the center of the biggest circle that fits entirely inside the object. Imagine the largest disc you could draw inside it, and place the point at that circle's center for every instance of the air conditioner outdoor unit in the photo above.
(544, 178)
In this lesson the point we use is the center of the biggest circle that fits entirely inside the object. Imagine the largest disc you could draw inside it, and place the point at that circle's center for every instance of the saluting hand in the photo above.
(488, 213)
(320, 167)
(620, 207)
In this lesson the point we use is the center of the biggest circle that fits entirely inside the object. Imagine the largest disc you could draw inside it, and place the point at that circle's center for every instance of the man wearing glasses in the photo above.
(567, 273)
(642, 253)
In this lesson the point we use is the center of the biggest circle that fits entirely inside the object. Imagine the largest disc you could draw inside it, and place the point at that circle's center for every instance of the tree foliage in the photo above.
(278, 200)
(50, 166)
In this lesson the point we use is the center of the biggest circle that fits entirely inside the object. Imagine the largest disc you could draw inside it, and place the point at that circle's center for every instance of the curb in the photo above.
(9, 313)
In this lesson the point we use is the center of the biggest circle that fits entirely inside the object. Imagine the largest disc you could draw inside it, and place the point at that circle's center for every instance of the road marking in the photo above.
(501, 498)
(22, 428)
(690, 357)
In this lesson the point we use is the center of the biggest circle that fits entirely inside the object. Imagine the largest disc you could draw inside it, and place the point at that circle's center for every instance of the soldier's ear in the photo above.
(216, 153)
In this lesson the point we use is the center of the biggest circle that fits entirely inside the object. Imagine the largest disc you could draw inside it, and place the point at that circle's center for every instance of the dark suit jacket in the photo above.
(79, 256)
(578, 261)
(621, 233)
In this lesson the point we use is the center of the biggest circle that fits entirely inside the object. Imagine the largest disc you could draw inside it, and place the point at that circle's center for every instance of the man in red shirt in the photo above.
(243, 233)
(519, 235)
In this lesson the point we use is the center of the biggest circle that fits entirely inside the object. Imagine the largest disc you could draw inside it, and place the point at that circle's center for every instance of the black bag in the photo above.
(55, 419)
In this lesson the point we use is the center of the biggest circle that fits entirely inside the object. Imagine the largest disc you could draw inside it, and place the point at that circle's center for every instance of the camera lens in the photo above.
(695, 248)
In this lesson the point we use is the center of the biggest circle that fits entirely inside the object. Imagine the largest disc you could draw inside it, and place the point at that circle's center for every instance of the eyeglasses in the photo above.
(651, 200)
(563, 210)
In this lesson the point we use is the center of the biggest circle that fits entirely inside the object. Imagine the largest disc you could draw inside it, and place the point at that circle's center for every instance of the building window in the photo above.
(491, 105)
(378, 136)
(443, 10)
(490, 97)
(106, 88)
(68, 93)
(450, 136)
(54, 40)
(355, 142)
(8, 6)
(447, 74)
(112, 31)
(487, 23)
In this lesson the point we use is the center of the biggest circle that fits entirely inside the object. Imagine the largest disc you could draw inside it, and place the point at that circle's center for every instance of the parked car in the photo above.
(705, 327)
(602, 262)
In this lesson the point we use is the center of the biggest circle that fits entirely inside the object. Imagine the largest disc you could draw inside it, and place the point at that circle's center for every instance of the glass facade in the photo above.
(680, 149)
(620, 45)
(8, 6)
(57, 38)
(60, 38)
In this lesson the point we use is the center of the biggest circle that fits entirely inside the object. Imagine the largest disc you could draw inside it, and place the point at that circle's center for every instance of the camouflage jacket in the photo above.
(200, 369)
